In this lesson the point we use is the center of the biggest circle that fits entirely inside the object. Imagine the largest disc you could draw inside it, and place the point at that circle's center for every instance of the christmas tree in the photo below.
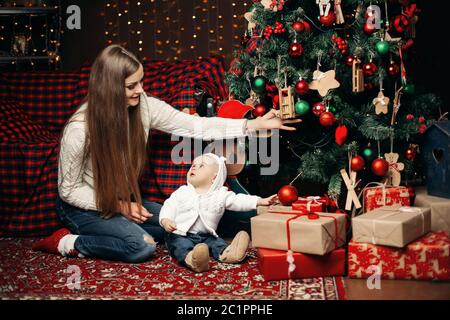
(346, 65)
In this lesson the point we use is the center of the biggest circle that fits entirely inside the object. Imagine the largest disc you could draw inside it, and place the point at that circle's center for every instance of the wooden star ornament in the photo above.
(381, 103)
(324, 81)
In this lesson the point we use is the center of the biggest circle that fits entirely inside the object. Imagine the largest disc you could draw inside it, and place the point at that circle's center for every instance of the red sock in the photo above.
(50, 244)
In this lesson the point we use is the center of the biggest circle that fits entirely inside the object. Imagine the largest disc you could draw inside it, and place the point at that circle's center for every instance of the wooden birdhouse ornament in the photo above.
(357, 76)
(286, 98)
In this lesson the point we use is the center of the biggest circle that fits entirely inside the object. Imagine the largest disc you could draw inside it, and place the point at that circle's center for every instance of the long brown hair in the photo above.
(115, 136)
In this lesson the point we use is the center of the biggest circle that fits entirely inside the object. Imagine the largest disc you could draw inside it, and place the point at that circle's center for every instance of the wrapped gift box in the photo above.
(310, 204)
(424, 259)
(440, 209)
(273, 264)
(391, 226)
(314, 233)
(377, 197)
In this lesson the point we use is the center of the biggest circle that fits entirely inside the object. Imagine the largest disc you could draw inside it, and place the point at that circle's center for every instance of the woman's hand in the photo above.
(168, 225)
(271, 121)
(134, 214)
(267, 201)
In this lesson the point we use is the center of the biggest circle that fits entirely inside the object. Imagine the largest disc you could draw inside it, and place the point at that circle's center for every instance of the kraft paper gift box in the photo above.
(424, 259)
(381, 196)
(391, 226)
(440, 209)
(273, 264)
(313, 233)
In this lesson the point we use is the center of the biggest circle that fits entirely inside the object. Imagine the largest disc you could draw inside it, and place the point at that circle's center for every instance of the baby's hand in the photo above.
(169, 225)
(268, 201)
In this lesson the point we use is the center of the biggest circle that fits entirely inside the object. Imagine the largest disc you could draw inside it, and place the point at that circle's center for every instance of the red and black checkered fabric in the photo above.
(29, 144)
(46, 96)
(28, 174)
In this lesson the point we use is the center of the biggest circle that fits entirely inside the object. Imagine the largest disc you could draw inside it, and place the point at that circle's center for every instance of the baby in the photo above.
(191, 215)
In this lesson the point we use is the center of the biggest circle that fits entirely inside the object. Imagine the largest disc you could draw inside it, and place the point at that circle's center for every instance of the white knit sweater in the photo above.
(75, 181)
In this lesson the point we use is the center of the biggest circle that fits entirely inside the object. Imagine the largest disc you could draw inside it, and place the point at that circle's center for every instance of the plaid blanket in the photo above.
(34, 106)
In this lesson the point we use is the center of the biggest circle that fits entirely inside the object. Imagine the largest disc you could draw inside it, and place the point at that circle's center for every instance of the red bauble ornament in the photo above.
(295, 50)
(369, 69)
(318, 108)
(287, 195)
(393, 69)
(357, 163)
(368, 29)
(301, 87)
(298, 26)
(307, 26)
(259, 110)
(400, 23)
(328, 20)
(349, 61)
(410, 153)
(341, 134)
(327, 119)
(380, 167)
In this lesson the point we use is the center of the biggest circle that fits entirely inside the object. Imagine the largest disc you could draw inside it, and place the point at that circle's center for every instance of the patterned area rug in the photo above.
(25, 274)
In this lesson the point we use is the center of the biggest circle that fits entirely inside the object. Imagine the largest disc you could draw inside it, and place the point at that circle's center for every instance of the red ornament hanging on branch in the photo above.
(393, 69)
(301, 87)
(328, 20)
(287, 195)
(369, 69)
(327, 119)
(295, 50)
(341, 134)
(298, 26)
(357, 163)
(318, 108)
(380, 167)
(369, 29)
(349, 61)
(410, 153)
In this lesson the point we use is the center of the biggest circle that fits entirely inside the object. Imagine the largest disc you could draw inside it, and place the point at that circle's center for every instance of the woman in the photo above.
(102, 157)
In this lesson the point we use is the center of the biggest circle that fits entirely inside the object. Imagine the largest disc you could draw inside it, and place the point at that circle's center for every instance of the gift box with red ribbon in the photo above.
(299, 231)
(424, 259)
(310, 204)
(275, 264)
(381, 196)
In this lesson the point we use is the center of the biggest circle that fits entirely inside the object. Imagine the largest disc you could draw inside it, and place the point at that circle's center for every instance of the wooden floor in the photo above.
(356, 289)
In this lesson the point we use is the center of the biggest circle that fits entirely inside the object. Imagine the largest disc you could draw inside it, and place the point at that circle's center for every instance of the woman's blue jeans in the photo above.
(117, 238)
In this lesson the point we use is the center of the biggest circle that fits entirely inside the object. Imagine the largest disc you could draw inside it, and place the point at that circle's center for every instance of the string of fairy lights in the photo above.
(159, 29)
(31, 37)
(162, 30)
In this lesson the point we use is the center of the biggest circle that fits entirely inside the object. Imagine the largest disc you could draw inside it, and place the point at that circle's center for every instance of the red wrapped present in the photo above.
(381, 195)
(310, 204)
(424, 259)
(274, 264)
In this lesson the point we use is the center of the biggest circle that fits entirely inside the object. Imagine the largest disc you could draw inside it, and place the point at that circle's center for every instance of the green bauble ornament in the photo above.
(382, 47)
(259, 84)
(302, 107)
(332, 109)
(367, 153)
(409, 88)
